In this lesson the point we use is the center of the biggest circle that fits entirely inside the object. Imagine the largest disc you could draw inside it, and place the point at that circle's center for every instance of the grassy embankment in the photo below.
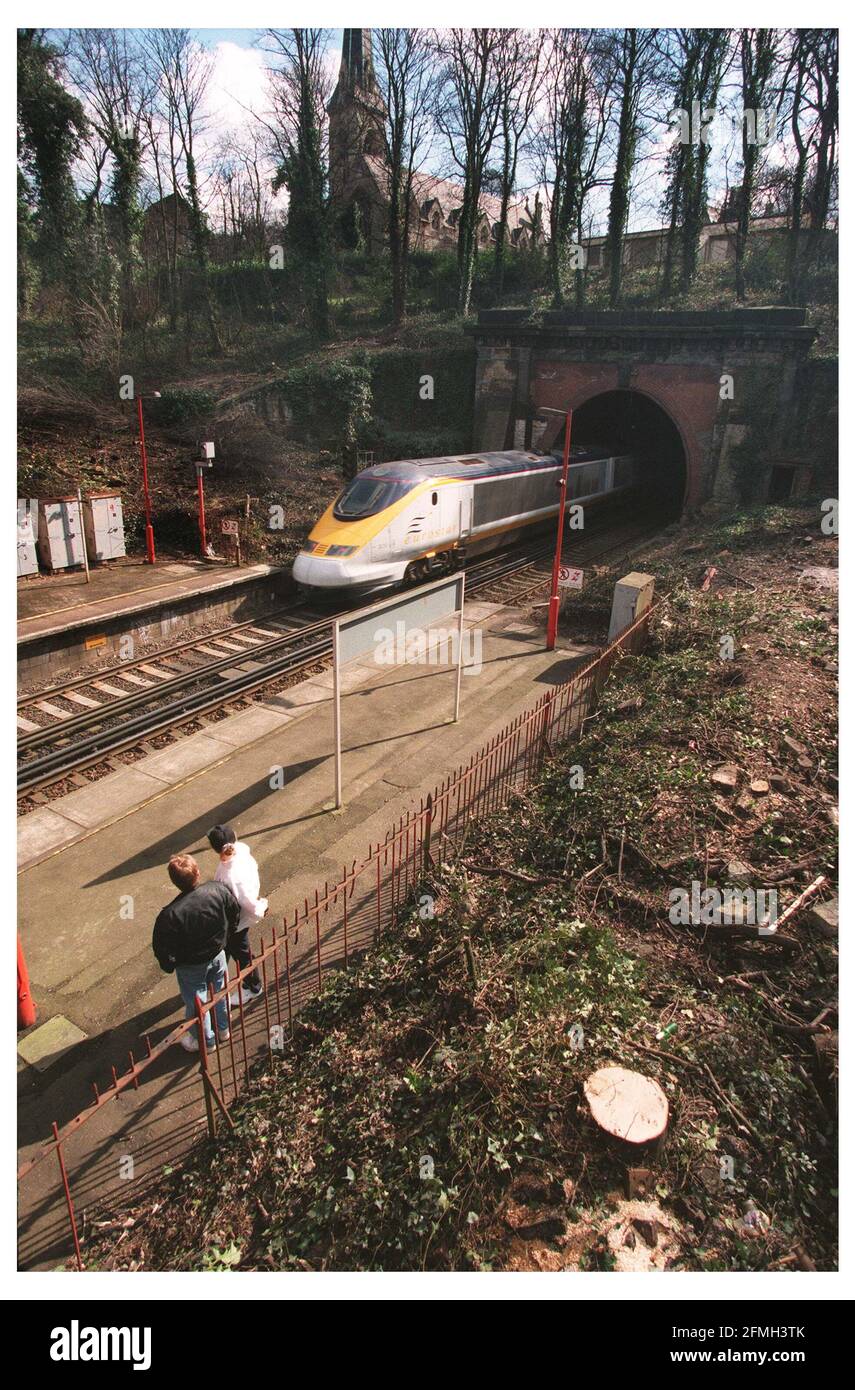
(425, 1120)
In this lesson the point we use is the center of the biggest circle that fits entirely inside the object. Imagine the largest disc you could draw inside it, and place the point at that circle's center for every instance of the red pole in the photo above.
(202, 537)
(149, 532)
(552, 624)
(26, 1007)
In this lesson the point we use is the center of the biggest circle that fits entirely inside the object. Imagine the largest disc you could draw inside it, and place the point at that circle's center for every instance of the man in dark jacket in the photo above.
(189, 937)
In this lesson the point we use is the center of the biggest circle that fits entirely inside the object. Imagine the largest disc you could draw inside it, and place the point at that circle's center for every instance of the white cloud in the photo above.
(237, 86)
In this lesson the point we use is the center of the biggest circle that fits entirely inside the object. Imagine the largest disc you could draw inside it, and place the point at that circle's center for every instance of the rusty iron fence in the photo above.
(345, 918)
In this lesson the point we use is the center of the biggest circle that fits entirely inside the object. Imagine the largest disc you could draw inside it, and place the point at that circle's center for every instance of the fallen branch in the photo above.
(495, 871)
(803, 899)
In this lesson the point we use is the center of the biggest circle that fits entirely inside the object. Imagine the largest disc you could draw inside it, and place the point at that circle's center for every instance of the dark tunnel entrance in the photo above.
(635, 424)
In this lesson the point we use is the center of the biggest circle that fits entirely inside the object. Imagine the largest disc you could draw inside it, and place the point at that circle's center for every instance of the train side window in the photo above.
(434, 498)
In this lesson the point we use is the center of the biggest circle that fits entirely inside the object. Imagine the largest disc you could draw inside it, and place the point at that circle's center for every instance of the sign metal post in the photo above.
(459, 650)
(337, 712)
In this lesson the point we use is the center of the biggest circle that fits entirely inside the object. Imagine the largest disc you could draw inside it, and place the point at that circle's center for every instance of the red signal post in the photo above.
(149, 530)
(206, 460)
(203, 540)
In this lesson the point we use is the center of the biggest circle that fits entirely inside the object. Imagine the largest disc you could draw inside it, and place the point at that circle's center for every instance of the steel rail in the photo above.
(134, 698)
(105, 672)
(63, 760)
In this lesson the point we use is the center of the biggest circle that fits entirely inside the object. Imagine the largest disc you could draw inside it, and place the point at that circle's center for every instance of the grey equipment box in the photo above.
(104, 526)
(28, 562)
(60, 540)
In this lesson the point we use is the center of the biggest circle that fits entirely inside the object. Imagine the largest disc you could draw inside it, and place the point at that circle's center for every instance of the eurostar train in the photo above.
(420, 518)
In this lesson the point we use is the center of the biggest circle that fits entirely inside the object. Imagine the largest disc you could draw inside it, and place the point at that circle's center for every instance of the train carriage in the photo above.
(404, 521)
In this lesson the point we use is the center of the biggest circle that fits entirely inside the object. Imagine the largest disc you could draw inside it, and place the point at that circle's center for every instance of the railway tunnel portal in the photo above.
(714, 402)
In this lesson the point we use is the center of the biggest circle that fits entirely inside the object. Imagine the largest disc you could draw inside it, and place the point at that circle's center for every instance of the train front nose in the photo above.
(314, 573)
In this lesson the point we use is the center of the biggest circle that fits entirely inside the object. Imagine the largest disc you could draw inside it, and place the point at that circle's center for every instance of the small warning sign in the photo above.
(229, 528)
(569, 578)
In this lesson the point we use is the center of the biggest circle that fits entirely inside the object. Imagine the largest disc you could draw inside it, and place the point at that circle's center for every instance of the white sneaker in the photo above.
(224, 1037)
(189, 1042)
(246, 996)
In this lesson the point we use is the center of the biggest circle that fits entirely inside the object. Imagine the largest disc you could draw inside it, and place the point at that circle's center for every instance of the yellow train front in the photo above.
(396, 523)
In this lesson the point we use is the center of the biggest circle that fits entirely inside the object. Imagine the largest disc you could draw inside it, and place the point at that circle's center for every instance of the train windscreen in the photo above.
(368, 496)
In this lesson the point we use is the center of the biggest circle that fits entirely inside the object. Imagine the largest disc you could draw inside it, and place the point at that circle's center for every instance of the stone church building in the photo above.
(359, 180)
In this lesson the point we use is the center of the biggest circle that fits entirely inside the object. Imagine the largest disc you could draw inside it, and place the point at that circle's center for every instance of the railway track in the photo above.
(76, 725)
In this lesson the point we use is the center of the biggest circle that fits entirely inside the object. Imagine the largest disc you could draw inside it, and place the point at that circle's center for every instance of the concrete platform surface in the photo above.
(86, 913)
(64, 601)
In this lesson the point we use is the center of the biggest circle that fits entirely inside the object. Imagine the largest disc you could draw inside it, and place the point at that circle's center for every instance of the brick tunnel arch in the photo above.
(634, 421)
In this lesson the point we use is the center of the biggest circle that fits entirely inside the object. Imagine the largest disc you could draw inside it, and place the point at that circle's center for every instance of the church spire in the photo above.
(357, 67)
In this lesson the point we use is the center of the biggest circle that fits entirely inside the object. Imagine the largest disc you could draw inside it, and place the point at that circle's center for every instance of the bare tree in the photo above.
(165, 155)
(811, 81)
(632, 55)
(758, 52)
(519, 64)
(107, 66)
(184, 69)
(569, 145)
(297, 126)
(468, 110)
(404, 64)
(242, 193)
(699, 59)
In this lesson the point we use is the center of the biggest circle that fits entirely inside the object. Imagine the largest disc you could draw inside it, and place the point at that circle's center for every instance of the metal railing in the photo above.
(347, 917)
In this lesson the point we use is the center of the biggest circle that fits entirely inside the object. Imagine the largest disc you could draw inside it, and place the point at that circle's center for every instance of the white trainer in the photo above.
(189, 1042)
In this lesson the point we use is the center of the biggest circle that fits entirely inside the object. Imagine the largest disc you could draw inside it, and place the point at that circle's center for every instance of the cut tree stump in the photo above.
(626, 1104)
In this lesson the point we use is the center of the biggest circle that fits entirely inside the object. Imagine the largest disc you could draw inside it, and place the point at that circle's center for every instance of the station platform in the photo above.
(63, 621)
(91, 967)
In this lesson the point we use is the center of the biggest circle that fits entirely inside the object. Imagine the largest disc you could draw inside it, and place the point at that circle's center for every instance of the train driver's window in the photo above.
(434, 498)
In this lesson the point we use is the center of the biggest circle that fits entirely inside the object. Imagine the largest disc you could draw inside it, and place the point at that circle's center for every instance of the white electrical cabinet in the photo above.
(104, 526)
(28, 562)
(60, 542)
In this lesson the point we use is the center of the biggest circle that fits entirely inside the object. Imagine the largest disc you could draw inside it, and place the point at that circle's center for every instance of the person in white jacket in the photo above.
(238, 870)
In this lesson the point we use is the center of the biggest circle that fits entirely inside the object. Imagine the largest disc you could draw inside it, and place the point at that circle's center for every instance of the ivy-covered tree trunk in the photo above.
(299, 96)
(199, 234)
(51, 124)
(631, 47)
(126, 150)
(509, 174)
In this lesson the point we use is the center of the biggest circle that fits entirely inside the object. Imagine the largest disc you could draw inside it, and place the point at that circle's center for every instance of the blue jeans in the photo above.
(193, 981)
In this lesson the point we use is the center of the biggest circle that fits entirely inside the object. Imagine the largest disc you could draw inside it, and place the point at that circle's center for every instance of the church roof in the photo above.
(449, 194)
